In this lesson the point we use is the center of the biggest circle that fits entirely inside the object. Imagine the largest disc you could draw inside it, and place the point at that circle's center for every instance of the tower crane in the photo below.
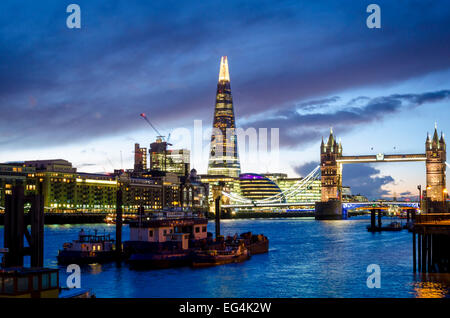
(163, 138)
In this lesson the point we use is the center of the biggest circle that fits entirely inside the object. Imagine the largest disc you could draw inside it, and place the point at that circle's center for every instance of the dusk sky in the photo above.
(300, 66)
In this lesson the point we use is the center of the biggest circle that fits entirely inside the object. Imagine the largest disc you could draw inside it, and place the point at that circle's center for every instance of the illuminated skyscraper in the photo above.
(169, 160)
(140, 158)
(223, 157)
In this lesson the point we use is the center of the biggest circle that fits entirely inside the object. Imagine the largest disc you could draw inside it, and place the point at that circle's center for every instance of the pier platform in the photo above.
(431, 242)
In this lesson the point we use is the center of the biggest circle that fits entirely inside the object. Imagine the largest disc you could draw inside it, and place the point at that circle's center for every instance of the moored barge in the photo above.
(165, 240)
(88, 249)
(256, 244)
(230, 254)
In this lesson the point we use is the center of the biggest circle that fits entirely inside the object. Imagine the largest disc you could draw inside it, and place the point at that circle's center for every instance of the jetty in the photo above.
(431, 241)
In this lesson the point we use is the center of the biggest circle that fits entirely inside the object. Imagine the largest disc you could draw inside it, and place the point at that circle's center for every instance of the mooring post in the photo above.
(430, 265)
(419, 250)
(424, 253)
(414, 251)
(119, 222)
(7, 232)
(14, 226)
(372, 219)
(379, 218)
(37, 231)
(217, 215)
(217, 194)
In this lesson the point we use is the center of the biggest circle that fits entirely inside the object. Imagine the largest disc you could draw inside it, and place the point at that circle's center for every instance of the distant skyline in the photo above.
(300, 66)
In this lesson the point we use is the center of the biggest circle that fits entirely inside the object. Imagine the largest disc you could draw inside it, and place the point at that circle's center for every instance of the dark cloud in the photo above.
(362, 179)
(408, 196)
(161, 57)
(297, 128)
(317, 104)
(304, 169)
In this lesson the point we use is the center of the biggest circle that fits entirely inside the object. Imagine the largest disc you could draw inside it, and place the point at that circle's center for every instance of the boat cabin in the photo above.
(29, 283)
(91, 243)
(169, 230)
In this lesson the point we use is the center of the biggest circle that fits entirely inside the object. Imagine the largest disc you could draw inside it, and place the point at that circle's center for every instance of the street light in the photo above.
(419, 187)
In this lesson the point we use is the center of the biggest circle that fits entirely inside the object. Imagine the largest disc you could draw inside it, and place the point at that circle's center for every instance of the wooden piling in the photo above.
(424, 253)
(414, 251)
(379, 219)
(430, 265)
(37, 231)
(119, 222)
(217, 212)
(419, 245)
(372, 219)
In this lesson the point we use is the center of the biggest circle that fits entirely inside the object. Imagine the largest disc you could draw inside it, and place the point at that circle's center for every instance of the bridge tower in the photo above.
(331, 170)
(436, 154)
(331, 178)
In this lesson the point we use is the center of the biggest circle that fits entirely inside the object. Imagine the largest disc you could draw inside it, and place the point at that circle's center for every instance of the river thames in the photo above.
(307, 258)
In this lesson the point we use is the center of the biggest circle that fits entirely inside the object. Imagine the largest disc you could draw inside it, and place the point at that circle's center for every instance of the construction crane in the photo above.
(162, 138)
(159, 135)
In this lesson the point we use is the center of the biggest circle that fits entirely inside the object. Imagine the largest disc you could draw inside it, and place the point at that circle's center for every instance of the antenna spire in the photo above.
(224, 74)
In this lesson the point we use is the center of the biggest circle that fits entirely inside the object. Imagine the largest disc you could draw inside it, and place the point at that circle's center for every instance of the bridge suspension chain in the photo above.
(235, 197)
(295, 189)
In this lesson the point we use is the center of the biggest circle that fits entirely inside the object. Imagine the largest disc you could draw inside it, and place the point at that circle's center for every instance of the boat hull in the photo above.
(259, 247)
(84, 257)
(256, 244)
(210, 260)
(159, 260)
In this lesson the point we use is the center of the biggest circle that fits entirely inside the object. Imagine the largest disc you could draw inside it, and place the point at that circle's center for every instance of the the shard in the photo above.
(223, 157)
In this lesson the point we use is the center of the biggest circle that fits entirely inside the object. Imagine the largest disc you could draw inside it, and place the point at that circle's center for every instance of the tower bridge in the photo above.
(332, 159)
(381, 158)
(330, 172)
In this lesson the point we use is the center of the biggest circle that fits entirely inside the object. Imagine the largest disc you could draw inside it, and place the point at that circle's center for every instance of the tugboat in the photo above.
(88, 249)
(230, 254)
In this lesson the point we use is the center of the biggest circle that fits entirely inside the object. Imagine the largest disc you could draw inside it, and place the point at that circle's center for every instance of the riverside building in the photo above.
(67, 191)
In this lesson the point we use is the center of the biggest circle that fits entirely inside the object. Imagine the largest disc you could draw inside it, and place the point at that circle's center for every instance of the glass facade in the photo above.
(169, 160)
(230, 185)
(311, 193)
(223, 157)
(257, 187)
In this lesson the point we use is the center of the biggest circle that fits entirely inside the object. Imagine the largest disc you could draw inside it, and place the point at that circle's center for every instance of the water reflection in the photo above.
(95, 269)
(307, 258)
(432, 286)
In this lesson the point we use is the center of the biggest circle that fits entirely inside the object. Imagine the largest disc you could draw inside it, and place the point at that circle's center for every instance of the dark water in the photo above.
(307, 258)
